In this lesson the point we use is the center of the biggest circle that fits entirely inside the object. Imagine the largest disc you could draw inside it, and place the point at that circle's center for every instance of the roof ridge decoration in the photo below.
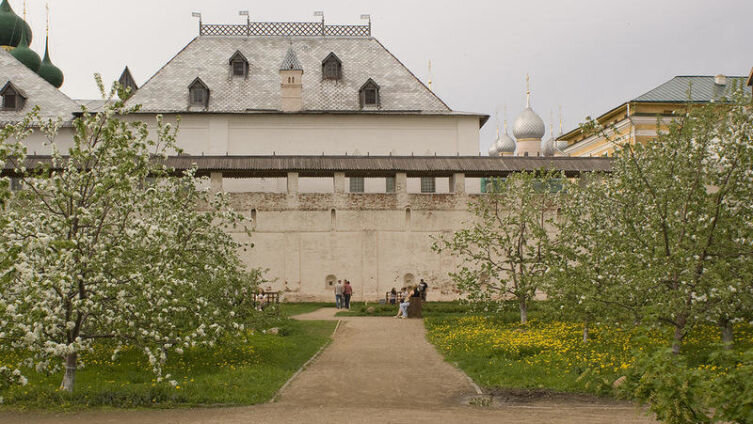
(290, 62)
(285, 29)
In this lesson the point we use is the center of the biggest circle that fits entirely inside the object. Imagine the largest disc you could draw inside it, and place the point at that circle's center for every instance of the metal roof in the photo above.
(368, 166)
(52, 102)
(207, 57)
(691, 88)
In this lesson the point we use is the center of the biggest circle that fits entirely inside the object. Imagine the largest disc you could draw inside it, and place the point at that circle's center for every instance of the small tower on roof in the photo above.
(291, 82)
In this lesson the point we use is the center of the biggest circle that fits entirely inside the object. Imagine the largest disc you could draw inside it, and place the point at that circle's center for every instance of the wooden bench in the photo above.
(398, 298)
(261, 300)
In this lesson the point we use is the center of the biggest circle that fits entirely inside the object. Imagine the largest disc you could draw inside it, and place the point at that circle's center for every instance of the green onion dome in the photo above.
(12, 27)
(26, 55)
(48, 71)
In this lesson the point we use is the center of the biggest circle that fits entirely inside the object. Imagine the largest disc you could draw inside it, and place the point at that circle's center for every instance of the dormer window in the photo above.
(238, 65)
(198, 93)
(369, 94)
(331, 67)
(13, 98)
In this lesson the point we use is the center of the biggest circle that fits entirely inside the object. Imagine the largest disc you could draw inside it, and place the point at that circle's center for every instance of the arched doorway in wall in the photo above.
(409, 280)
(329, 282)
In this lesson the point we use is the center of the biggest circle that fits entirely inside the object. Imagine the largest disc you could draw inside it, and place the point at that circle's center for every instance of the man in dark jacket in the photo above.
(422, 288)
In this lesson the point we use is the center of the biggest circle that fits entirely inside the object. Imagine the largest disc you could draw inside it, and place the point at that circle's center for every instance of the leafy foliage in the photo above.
(668, 235)
(503, 249)
(108, 243)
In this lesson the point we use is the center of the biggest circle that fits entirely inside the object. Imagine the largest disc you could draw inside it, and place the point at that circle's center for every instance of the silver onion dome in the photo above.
(493, 150)
(505, 144)
(528, 125)
(548, 147)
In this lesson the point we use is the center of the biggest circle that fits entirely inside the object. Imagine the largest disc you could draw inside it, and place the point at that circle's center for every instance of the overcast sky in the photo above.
(585, 55)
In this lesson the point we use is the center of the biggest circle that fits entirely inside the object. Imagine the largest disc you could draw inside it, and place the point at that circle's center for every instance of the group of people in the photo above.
(343, 293)
(418, 293)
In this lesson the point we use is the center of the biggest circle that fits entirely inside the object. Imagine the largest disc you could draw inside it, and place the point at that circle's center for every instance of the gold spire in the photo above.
(47, 27)
(429, 84)
(496, 113)
(528, 91)
(551, 123)
(504, 115)
(560, 107)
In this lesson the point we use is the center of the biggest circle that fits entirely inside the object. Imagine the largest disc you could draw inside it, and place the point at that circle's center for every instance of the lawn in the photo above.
(360, 309)
(292, 309)
(549, 354)
(239, 371)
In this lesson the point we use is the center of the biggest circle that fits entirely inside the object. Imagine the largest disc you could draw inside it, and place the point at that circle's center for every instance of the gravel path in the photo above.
(377, 370)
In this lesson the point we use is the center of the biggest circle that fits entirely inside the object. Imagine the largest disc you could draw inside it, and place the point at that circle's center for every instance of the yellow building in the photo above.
(636, 119)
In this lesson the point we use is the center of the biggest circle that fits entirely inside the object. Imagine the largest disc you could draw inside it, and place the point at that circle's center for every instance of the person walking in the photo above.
(339, 294)
(347, 293)
(422, 288)
(393, 296)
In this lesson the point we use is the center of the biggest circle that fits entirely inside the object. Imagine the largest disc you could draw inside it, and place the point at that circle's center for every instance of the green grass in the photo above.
(291, 309)
(549, 354)
(359, 309)
(239, 371)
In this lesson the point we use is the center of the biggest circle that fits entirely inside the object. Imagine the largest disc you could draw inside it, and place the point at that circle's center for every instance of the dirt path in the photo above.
(377, 370)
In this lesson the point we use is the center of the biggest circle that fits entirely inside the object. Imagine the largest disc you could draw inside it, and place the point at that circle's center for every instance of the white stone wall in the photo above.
(376, 241)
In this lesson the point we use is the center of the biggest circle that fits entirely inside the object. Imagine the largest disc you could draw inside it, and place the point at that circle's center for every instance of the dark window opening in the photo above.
(331, 67)
(239, 69)
(239, 64)
(13, 98)
(198, 96)
(9, 101)
(198, 93)
(369, 94)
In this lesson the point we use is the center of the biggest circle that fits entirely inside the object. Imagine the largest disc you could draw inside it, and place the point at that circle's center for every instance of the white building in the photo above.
(344, 162)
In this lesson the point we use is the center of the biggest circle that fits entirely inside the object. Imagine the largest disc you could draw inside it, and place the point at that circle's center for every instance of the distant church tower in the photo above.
(528, 129)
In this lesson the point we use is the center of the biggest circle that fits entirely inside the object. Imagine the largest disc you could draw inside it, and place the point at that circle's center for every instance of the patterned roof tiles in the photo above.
(362, 58)
(38, 92)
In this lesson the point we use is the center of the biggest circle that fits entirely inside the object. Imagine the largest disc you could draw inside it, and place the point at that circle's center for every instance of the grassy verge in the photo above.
(239, 371)
(498, 353)
(291, 309)
(360, 309)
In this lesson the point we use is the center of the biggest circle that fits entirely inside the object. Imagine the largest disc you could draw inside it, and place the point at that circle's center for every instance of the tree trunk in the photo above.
(71, 362)
(523, 311)
(677, 342)
(585, 331)
(728, 337)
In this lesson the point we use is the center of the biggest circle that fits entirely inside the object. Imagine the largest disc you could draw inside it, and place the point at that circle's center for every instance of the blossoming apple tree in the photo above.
(105, 243)
(502, 250)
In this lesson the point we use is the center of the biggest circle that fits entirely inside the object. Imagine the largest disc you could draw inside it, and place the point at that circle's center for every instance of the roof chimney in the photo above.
(720, 80)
